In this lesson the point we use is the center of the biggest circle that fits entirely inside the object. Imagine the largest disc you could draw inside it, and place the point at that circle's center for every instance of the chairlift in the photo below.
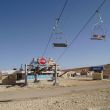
(59, 38)
(98, 32)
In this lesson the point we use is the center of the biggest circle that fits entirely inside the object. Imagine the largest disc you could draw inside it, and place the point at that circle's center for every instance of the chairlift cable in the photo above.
(57, 21)
(83, 27)
(45, 50)
(65, 4)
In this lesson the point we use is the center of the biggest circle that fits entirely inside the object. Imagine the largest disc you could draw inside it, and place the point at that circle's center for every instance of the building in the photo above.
(8, 77)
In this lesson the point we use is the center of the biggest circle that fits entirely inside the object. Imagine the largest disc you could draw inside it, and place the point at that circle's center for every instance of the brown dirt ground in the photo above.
(72, 94)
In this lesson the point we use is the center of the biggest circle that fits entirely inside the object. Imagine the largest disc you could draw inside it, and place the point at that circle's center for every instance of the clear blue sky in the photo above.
(25, 27)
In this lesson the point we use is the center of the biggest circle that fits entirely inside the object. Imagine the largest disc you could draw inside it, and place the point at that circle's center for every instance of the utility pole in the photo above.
(56, 79)
(25, 75)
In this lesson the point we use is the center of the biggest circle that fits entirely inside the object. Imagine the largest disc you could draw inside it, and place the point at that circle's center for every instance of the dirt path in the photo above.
(70, 95)
(29, 93)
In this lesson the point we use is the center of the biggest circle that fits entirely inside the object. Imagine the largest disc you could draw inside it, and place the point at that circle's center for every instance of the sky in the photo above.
(26, 25)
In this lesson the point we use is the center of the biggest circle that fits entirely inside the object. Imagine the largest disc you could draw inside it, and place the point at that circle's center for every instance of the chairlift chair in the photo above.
(59, 40)
(60, 43)
(98, 32)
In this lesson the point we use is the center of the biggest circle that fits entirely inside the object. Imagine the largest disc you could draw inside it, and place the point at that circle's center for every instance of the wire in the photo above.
(56, 23)
(83, 27)
(45, 50)
(65, 4)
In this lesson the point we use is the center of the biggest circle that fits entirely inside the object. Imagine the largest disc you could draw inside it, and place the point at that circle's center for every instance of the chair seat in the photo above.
(59, 44)
(98, 37)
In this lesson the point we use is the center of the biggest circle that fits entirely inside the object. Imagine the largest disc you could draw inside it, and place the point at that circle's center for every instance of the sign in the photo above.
(39, 76)
(44, 76)
(41, 61)
(97, 68)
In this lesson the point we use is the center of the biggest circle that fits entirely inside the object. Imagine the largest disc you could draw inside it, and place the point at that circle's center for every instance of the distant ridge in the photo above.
(106, 71)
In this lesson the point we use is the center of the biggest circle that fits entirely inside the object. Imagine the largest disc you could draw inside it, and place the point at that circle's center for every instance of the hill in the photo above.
(106, 71)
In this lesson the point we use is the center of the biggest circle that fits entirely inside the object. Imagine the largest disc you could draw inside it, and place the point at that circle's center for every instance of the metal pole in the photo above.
(25, 75)
(56, 81)
(35, 76)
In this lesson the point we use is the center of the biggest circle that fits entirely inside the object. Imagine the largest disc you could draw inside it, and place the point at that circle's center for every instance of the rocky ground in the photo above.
(71, 94)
